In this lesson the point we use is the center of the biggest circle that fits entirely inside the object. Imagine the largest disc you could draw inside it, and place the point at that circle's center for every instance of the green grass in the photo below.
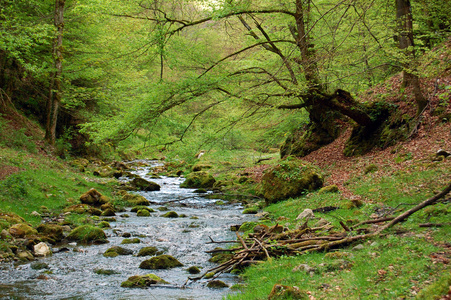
(395, 265)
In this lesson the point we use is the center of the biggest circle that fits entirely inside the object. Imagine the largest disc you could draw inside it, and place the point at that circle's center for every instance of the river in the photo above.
(71, 274)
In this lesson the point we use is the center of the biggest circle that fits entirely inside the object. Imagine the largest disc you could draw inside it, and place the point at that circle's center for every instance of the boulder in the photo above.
(200, 179)
(21, 230)
(131, 241)
(306, 215)
(135, 199)
(116, 251)
(140, 207)
(42, 249)
(160, 262)
(93, 198)
(52, 231)
(87, 234)
(290, 178)
(217, 284)
(142, 281)
(145, 185)
(147, 251)
(171, 214)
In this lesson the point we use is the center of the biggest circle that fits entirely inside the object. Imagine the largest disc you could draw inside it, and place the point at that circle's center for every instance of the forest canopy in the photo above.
(165, 72)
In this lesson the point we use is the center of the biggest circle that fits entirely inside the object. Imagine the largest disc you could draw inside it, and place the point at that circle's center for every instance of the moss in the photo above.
(105, 272)
(209, 275)
(329, 189)
(141, 207)
(21, 230)
(247, 226)
(93, 198)
(290, 178)
(109, 212)
(143, 213)
(142, 281)
(104, 224)
(436, 290)
(87, 234)
(217, 284)
(370, 169)
(160, 262)
(170, 214)
(131, 241)
(220, 258)
(145, 185)
(135, 200)
(116, 251)
(53, 231)
(200, 179)
(147, 251)
(250, 211)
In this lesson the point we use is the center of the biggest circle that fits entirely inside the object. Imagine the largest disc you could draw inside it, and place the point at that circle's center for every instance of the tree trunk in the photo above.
(54, 100)
(405, 38)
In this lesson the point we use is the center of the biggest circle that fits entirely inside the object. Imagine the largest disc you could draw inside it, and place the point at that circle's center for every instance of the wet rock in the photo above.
(170, 214)
(145, 185)
(116, 251)
(131, 241)
(134, 199)
(141, 207)
(200, 179)
(42, 249)
(217, 284)
(142, 281)
(200, 191)
(160, 262)
(143, 213)
(87, 234)
(147, 251)
(280, 292)
(21, 230)
(39, 265)
(250, 211)
(93, 198)
(193, 270)
(25, 256)
(105, 272)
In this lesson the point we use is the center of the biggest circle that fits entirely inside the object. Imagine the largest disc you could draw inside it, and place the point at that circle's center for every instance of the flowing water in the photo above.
(71, 274)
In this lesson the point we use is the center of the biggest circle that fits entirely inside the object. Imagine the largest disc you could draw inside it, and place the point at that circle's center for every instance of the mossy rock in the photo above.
(290, 178)
(220, 257)
(131, 241)
(250, 211)
(142, 281)
(329, 189)
(143, 213)
(163, 208)
(193, 270)
(145, 185)
(11, 218)
(21, 230)
(217, 284)
(87, 234)
(116, 251)
(199, 179)
(104, 172)
(94, 211)
(247, 226)
(39, 265)
(141, 207)
(171, 214)
(135, 200)
(160, 262)
(280, 292)
(104, 224)
(109, 212)
(53, 231)
(105, 272)
(78, 208)
(93, 198)
(200, 167)
(148, 251)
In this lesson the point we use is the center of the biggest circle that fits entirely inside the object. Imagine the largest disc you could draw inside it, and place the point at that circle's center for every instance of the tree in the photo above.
(54, 100)
(406, 44)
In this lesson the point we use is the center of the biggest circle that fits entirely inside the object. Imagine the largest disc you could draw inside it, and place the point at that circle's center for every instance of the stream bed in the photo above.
(71, 274)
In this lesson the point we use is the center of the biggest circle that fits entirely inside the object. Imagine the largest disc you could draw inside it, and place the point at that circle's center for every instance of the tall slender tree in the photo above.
(55, 92)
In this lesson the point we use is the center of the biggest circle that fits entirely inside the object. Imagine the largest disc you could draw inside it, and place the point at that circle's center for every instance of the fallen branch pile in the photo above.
(271, 242)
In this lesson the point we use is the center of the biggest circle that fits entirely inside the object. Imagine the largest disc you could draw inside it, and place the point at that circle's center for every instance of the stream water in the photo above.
(71, 274)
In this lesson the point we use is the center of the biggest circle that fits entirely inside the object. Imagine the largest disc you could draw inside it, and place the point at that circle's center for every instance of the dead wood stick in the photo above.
(223, 250)
(372, 221)
(321, 238)
(346, 228)
(241, 240)
(423, 204)
(264, 249)
(434, 224)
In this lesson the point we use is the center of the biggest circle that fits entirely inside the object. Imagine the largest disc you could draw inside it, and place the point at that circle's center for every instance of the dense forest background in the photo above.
(174, 77)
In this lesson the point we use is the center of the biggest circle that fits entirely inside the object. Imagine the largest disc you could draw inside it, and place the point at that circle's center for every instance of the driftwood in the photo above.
(268, 242)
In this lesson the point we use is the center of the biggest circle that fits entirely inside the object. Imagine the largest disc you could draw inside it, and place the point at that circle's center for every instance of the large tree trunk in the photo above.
(405, 38)
(54, 100)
